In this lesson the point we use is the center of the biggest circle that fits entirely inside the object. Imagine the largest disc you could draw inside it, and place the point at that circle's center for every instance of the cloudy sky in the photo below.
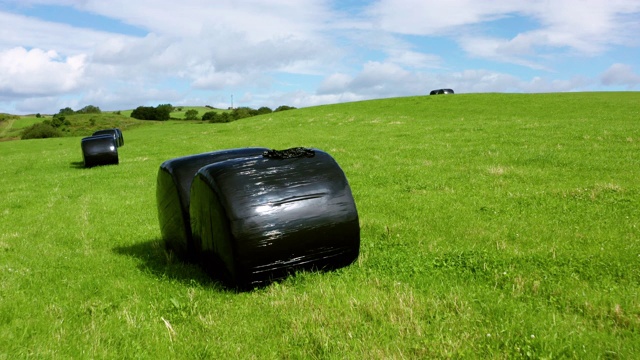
(120, 54)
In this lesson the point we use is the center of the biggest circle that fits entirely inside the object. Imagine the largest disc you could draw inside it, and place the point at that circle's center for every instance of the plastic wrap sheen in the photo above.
(257, 219)
(116, 133)
(99, 150)
(173, 191)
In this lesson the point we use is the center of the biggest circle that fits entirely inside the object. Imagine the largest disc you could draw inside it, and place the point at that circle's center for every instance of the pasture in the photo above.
(492, 226)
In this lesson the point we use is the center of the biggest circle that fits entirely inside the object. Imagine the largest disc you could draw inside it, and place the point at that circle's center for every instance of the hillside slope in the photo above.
(492, 226)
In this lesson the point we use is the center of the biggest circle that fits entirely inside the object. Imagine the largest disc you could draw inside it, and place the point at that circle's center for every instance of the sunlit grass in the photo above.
(493, 226)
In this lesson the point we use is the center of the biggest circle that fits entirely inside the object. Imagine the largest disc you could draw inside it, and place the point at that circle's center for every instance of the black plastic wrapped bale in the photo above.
(116, 133)
(255, 220)
(99, 150)
(173, 191)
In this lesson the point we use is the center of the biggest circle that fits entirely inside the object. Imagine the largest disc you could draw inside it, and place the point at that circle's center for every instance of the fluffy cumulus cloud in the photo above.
(305, 52)
(585, 26)
(39, 73)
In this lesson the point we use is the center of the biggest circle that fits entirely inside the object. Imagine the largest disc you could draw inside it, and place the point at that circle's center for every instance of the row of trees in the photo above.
(57, 124)
(160, 112)
(237, 113)
(163, 112)
(89, 109)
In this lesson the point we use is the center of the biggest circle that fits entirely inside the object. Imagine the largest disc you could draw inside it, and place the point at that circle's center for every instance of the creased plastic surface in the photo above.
(258, 219)
(99, 150)
(116, 133)
(173, 191)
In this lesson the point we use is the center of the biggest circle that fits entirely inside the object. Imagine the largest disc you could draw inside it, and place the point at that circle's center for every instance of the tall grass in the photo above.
(493, 226)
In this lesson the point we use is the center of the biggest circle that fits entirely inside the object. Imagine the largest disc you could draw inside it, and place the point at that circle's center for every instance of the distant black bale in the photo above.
(99, 150)
(173, 191)
(116, 133)
(261, 218)
(441, 91)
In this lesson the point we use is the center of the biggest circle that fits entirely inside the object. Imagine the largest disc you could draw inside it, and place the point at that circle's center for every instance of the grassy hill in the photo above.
(492, 226)
(86, 124)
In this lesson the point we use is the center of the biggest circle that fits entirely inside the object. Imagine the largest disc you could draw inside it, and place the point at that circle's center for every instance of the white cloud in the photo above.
(37, 72)
(620, 75)
(586, 27)
(22, 31)
(334, 83)
(433, 17)
(200, 49)
(499, 50)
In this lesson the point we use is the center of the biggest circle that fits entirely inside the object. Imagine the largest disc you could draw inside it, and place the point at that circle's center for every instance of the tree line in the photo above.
(60, 121)
(163, 112)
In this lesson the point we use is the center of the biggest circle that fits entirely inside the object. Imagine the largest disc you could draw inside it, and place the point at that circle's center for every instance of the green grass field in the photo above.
(492, 226)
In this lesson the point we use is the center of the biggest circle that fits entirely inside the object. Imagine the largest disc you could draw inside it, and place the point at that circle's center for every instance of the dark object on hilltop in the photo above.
(259, 219)
(99, 150)
(441, 91)
(173, 191)
(116, 133)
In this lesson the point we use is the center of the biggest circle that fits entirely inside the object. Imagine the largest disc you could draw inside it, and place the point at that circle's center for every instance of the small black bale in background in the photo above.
(116, 133)
(441, 92)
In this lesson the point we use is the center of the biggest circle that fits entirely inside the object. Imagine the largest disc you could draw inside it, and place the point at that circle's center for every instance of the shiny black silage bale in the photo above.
(259, 219)
(116, 133)
(99, 150)
(173, 192)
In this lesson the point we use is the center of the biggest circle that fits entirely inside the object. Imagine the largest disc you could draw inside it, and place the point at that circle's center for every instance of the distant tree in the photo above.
(209, 116)
(144, 113)
(89, 109)
(66, 111)
(224, 117)
(56, 121)
(264, 110)
(38, 115)
(161, 112)
(243, 112)
(164, 111)
(284, 107)
(191, 114)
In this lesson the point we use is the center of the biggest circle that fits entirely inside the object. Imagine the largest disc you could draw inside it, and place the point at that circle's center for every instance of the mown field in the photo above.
(492, 226)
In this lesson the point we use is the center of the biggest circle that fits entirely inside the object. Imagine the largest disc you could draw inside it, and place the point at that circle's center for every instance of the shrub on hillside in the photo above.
(160, 112)
(57, 121)
(89, 109)
(66, 111)
(40, 131)
(151, 113)
(243, 112)
(215, 117)
(4, 117)
(209, 115)
(191, 114)
(264, 110)
(284, 107)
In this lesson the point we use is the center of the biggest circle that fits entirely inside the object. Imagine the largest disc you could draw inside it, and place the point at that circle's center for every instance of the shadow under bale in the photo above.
(173, 193)
(258, 219)
(99, 150)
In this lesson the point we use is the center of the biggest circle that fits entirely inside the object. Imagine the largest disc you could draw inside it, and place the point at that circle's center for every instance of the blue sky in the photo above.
(120, 54)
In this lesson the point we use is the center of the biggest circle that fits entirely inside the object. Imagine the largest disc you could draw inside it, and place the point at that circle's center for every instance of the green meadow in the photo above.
(492, 226)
